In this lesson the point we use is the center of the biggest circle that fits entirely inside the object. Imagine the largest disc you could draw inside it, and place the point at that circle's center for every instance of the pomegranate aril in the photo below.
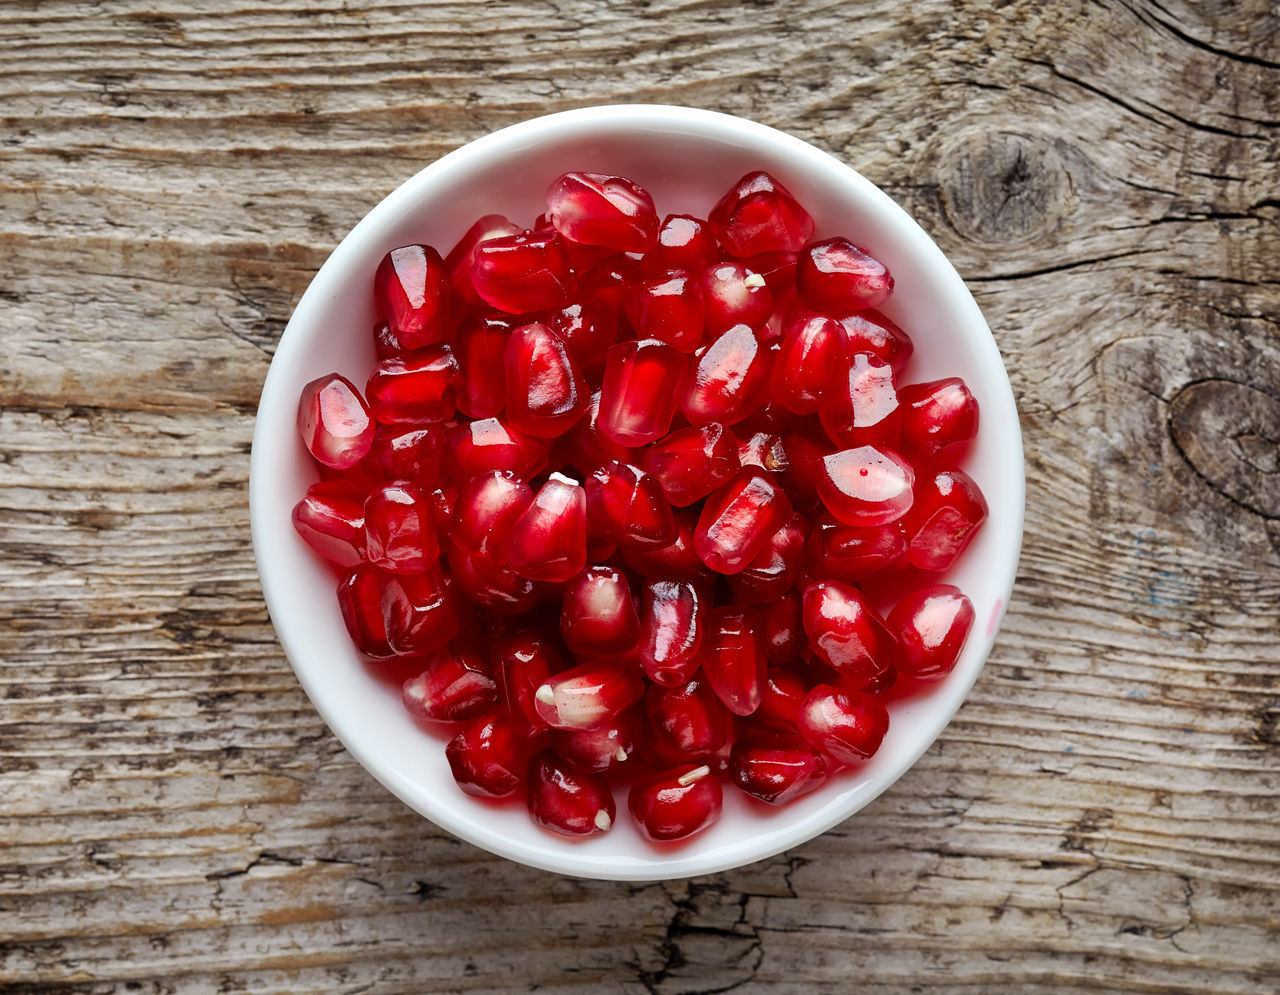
(937, 415)
(811, 363)
(784, 638)
(461, 257)
(597, 615)
(588, 328)
(604, 747)
(415, 387)
(411, 287)
(866, 486)
(330, 518)
(734, 658)
(871, 332)
(448, 690)
(385, 343)
(588, 695)
(599, 209)
(947, 513)
(568, 801)
(481, 348)
(549, 540)
(847, 726)
(684, 242)
(608, 279)
(785, 688)
(851, 553)
(692, 462)
(641, 390)
(732, 295)
(678, 560)
(442, 500)
(399, 529)
(864, 409)
(728, 379)
(766, 450)
(739, 519)
(545, 390)
(360, 602)
(417, 612)
(672, 629)
(931, 625)
(776, 768)
(486, 508)
(525, 660)
(488, 581)
(675, 804)
(627, 506)
(686, 722)
(409, 452)
(844, 632)
(491, 444)
(586, 447)
(836, 276)
(487, 758)
(772, 572)
(667, 306)
(758, 214)
(778, 268)
(335, 423)
(523, 273)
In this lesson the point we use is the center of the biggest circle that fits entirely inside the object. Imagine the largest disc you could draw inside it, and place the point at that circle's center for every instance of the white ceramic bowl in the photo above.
(687, 159)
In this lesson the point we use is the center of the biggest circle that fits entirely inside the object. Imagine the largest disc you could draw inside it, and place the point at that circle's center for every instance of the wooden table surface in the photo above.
(1102, 814)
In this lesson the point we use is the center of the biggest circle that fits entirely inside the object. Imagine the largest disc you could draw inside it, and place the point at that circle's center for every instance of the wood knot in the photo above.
(1003, 188)
(1230, 434)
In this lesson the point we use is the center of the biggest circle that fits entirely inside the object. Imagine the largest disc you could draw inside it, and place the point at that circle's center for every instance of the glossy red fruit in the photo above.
(487, 758)
(673, 628)
(937, 415)
(768, 451)
(847, 726)
(417, 612)
(597, 615)
(409, 452)
(844, 632)
(835, 276)
(686, 722)
(931, 625)
(549, 540)
(491, 444)
(850, 553)
(330, 518)
(642, 386)
(627, 506)
(588, 328)
(811, 363)
(416, 387)
(588, 695)
(779, 271)
(728, 379)
(866, 486)
(684, 242)
(453, 687)
(776, 768)
(609, 279)
(692, 462)
(785, 688)
(739, 519)
(411, 287)
(599, 209)
(759, 214)
(335, 423)
(667, 306)
(732, 295)
(461, 257)
(864, 410)
(360, 601)
(873, 333)
(385, 343)
(481, 348)
(525, 660)
(546, 393)
(586, 447)
(486, 508)
(947, 513)
(734, 659)
(678, 560)
(604, 747)
(675, 804)
(568, 801)
(487, 581)
(400, 529)
(523, 273)
(784, 638)
(774, 570)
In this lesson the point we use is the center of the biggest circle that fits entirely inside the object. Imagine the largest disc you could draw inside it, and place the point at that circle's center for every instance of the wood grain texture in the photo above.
(1102, 816)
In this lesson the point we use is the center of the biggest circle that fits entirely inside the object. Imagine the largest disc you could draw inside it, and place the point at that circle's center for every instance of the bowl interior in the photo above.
(687, 159)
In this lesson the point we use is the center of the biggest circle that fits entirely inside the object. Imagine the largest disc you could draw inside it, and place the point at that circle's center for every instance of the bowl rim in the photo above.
(558, 126)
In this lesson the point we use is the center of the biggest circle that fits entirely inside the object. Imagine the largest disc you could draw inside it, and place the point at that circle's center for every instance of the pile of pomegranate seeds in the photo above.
(644, 503)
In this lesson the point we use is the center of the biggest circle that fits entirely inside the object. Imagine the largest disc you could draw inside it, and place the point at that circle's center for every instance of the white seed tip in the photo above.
(602, 820)
(621, 754)
(753, 280)
(545, 695)
(697, 774)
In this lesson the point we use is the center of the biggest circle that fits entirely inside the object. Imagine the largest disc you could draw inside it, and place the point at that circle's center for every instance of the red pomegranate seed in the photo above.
(597, 614)
(545, 390)
(785, 688)
(461, 257)
(604, 747)
(491, 444)
(948, 510)
(844, 632)
(931, 626)
(335, 423)
(679, 560)
(773, 571)
(417, 612)
(667, 306)
(672, 629)
(734, 659)
(581, 255)
(487, 758)
(836, 276)
(686, 722)
(692, 462)
(525, 660)
(675, 804)
(811, 364)
(360, 601)
(728, 379)
(609, 279)
(330, 518)
(400, 529)
(588, 695)
(416, 387)
(866, 486)
(409, 452)
(758, 214)
(778, 269)
(784, 638)
(684, 242)
(588, 328)
(847, 726)
(850, 553)
(385, 343)
(865, 410)
(586, 447)
(598, 209)
(642, 386)
(936, 416)
(733, 295)
(627, 506)
(486, 508)
(739, 519)
(411, 287)
(767, 451)
(442, 501)
(567, 801)
(449, 690)
(775, 767)
(481, 348)
(549, 541)
(873, 333)
(486, 579)
(522, 273)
